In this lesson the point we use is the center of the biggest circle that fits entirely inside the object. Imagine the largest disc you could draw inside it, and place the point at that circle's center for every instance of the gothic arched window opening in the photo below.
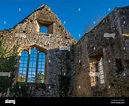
(32, 66)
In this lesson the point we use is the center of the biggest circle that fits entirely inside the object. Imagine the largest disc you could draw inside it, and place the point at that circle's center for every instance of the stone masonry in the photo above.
(115, 50)
(26, 33)
(74, 60)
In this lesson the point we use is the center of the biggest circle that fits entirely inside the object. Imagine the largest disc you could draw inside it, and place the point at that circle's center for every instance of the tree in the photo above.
(21, 78)
(40, 77)
(7, 62)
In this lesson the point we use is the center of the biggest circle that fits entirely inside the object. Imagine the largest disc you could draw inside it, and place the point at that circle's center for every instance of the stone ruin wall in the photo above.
(27, 33)
(93, 42)
(74, 62)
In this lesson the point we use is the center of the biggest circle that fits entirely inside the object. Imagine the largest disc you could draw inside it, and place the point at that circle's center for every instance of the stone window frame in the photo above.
(48, 24)
(28, 49)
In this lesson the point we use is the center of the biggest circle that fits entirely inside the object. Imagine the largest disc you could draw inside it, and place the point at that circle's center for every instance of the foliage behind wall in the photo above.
(7, 62)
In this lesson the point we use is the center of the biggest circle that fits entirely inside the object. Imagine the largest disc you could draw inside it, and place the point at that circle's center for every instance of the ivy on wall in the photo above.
(20, 89)
(7, 62)
(64, 82)
(73, 50)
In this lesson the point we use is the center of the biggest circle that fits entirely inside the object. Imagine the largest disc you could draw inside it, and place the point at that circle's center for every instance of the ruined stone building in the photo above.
(53, 64)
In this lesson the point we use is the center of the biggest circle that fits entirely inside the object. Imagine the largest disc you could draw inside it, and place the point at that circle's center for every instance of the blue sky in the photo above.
(76, 15)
